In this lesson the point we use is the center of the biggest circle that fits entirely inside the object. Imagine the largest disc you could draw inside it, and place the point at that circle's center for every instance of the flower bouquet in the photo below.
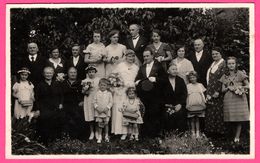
(239, 90)
(115, 80)
(86, 87)
(114, 59)
(170, 109)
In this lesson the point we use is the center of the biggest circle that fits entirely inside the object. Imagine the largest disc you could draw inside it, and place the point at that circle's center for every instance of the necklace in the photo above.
(133, 101)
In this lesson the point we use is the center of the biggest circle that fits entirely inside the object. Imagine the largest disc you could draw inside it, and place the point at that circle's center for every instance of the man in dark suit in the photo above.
(136, 42)
(77, 61)
(201, 61)
(34, 62)
(148, 80)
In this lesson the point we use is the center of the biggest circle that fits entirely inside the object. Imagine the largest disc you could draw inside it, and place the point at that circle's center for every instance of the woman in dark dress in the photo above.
(214, 118)
(174, 101)
(49, 101)
(73, 103)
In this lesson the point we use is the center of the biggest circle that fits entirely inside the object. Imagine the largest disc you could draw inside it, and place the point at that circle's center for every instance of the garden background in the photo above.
(228, 28)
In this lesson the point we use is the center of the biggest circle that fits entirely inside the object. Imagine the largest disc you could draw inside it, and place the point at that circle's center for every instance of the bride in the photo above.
(127, 71)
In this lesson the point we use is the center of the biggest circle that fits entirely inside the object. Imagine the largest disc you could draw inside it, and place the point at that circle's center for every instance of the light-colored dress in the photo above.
(23, 91)
(114, 51)
(235, 106)
(196, 102)
(97, 52)
(133, 107)
(128, 74)
(184, 67)
(88, 99)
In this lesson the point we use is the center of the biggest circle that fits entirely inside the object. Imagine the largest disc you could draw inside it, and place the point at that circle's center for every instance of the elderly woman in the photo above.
(174, 101)
(95, 53)
(57, 63)
(115, 52)
(73, 102)
(214, 121)
(184, 65)
(127, 69)
(161, 51)
(49, 101)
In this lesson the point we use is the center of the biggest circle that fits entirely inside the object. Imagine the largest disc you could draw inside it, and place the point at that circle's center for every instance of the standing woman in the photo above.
(127, 71)
(214, 120)
(73, 102)
(57, 63)
(184, 66)
(160, 50)
(115, 52)
(95, 53)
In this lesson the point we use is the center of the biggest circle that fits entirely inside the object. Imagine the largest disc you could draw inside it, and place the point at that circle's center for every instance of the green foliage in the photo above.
(228, 28)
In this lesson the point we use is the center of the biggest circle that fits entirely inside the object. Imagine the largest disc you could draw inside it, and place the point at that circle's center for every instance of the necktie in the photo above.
(32, 58)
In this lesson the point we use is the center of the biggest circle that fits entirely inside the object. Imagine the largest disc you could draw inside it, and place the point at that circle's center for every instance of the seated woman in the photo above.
(174, 101)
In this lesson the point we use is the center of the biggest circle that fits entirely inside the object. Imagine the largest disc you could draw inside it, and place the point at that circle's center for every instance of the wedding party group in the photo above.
(135, 89)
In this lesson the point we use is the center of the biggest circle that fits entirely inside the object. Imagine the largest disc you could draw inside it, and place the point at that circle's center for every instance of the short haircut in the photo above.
(192, 73)
(113, 32)
(157, 31)
(103, 81)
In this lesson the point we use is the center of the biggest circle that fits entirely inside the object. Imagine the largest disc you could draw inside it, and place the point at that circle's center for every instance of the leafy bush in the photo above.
(228, 28)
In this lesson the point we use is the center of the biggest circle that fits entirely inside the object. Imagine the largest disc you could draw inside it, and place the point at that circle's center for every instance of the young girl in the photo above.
(24, 94)
(235, 86)
(132, 108)
(195, 103)
(103, 102)
(89, 89)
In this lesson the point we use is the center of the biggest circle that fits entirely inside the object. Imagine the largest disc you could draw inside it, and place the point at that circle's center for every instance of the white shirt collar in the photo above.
(199, 55)
(55, 64)
(34, 57)
(75, 60)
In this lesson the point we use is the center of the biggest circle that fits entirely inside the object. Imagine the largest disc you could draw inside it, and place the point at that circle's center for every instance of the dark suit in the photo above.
(151, 99)
(36, 68)
(202, 66)
(178, 96)
(139, 48)
(81, 65)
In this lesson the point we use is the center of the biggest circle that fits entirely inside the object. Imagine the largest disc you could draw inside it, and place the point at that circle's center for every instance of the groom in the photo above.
(150, 74)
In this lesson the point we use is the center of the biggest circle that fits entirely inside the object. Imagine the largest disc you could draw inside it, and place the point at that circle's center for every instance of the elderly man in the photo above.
(201, 60)
(136, 42)
(34, 62)
(77, 61)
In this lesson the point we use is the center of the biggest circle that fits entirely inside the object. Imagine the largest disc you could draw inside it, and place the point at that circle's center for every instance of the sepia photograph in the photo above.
(130, 80)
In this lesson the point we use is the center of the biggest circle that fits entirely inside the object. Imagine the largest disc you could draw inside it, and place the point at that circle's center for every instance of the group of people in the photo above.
(131, 89)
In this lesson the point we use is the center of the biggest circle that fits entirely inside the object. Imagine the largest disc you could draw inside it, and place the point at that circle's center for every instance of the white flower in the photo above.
(27, 140)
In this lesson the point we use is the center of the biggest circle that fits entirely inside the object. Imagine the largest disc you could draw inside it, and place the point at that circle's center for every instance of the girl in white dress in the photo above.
(95, 53)
(128, 71)
(196, 103)
(24, 94)
(89, 89)
(131, 110)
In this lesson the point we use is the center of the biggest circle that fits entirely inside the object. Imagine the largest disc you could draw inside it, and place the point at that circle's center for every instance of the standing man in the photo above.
(77, 61)
(34, 62)
(137, 43)
(148, 80)
(201, 61)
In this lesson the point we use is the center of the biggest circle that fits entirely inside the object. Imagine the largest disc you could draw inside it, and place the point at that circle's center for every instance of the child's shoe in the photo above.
(91, 137)
(197, 134)
(107, 138)
(136, 137)
(131, 137)
(123, 137)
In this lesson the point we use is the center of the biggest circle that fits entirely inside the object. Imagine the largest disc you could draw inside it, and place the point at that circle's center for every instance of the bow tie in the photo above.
(134, 38)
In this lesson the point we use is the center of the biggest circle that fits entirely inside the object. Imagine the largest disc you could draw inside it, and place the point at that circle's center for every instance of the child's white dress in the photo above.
(89, 99)
(132, 107)
(23, 91)
(196, 100)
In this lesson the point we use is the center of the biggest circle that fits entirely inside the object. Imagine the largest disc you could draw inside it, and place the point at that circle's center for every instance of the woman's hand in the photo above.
(178, 107)
(215, 95)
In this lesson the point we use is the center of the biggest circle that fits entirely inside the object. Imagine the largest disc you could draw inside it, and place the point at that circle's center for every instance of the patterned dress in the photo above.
(214, 118)
(235, 106)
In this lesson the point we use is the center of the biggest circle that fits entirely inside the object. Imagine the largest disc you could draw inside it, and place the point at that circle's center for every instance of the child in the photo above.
(103, 102)
(89, 89)
(24, 94)
(131, 113)
(235, 86)
(195, 103)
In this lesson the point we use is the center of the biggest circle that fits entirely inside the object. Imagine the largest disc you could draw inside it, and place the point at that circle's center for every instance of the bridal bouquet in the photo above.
(86, 86)
(115, 80)
(239, 90)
